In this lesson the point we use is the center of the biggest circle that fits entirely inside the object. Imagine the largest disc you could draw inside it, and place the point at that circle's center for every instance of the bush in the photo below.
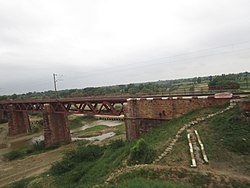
(37, 126)
(141, 153)
(84, 153)
(38, 146)
(115, 144)
(23, 183)
(61, 167)
(35, 148)
(14, 155)
(79, 172)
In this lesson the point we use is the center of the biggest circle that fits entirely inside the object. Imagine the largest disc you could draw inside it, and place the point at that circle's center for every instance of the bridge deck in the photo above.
(86, 105)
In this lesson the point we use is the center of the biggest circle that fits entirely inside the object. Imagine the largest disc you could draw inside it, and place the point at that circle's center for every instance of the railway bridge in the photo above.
(140, 114)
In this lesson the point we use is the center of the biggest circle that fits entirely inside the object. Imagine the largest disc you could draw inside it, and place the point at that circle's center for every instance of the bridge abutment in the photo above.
(18, 122)
(56, 130)
(137, 124)
(143, 114)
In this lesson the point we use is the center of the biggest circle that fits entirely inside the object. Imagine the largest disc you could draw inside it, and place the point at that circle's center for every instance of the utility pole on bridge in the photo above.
(55, 80)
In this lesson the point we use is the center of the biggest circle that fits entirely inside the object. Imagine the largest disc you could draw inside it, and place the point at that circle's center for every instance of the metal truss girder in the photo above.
(69, 106)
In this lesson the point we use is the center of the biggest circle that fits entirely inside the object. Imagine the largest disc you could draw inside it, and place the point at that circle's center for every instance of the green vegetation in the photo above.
(145, 183)
(96, 128)
(34, 148)
(77, 121)
(230, 130)
(90, 165)
(115, 144)
(37, 126)
(15, 154)
(223, 83)
(88, 153)
(87, 166)
(22, 183)
(164, 87)
(119, 129)
(158, 136)
(141, 153)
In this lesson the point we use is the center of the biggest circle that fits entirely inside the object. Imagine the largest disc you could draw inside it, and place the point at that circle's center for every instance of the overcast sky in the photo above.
(107, 42)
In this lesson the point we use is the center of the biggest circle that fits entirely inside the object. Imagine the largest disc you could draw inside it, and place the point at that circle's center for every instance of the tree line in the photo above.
(220, 82)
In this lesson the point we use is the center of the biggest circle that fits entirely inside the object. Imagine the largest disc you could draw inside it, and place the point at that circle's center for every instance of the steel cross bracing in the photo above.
(105, 106)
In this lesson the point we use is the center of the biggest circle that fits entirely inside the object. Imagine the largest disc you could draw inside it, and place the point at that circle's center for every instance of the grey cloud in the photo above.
(94, 43)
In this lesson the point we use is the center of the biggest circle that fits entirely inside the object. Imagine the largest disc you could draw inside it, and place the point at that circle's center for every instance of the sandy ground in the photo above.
(33, 165)
(29, 166)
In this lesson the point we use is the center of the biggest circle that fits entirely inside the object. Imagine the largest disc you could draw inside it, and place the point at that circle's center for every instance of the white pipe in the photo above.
(202, 147)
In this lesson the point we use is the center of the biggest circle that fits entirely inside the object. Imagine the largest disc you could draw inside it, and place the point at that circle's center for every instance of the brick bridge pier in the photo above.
(55, 115)
(55, 125)
(140, 114)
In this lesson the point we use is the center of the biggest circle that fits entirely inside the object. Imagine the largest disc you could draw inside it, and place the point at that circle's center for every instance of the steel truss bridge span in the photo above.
(91, 106)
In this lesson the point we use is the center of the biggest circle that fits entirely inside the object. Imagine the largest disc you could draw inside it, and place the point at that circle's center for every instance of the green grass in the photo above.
(35, 148)
(96, 128)
(229, 130)
(87, 173)
(145, 183)
(78, 170)
(120, 129)
(21, 184)
(77, 121)
(189, 178)
(158, 136)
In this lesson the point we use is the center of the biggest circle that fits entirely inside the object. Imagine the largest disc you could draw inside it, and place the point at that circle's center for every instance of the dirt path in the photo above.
(29, 166)
(216, 177)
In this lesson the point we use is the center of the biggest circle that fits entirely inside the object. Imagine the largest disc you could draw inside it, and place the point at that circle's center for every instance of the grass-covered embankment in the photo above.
(227, 141)
(88, 166)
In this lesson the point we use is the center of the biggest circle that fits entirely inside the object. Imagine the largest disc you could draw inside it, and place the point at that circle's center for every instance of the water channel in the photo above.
(8, 144)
